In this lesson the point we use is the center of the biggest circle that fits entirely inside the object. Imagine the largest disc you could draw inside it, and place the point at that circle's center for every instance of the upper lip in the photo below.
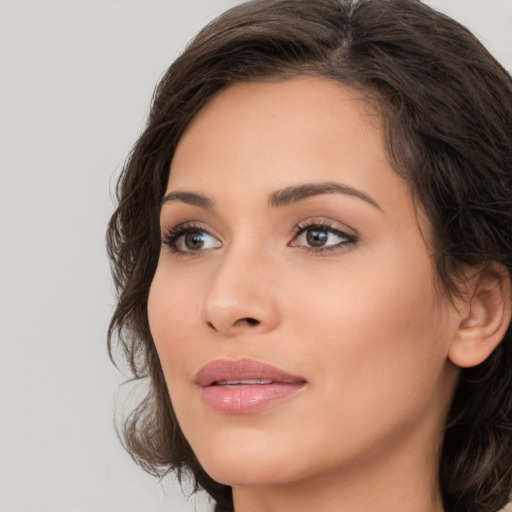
(242, 369)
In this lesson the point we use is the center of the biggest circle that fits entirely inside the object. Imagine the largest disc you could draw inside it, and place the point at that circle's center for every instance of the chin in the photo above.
(247, 460)
(237, 472)
(240, 475)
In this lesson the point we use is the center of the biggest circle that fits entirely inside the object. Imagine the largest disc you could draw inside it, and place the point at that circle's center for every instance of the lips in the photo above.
(243, 386)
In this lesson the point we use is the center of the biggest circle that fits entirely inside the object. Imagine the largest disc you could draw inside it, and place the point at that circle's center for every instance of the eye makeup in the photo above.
(321, 237)
(190, 238)
(318, 236)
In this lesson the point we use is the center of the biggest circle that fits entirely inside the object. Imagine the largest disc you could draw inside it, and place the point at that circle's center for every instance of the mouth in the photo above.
(241, 383)
(243, 386)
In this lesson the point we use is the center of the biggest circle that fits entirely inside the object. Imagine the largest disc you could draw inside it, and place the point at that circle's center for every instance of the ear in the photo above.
(486, 313)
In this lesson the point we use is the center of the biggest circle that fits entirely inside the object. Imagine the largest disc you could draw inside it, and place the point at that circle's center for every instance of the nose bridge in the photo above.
(239, 296)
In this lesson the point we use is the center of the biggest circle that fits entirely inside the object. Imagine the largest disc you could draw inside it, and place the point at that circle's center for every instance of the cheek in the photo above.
(172, 311)
(381, 333)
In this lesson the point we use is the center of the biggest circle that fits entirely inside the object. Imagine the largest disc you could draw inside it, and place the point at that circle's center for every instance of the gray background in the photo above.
(76, 77)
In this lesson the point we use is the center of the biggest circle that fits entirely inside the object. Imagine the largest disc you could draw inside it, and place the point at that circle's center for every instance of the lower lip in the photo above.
(248, 398)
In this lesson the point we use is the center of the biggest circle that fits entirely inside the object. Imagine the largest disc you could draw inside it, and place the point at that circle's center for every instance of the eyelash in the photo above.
(172, 237)
(349, 240)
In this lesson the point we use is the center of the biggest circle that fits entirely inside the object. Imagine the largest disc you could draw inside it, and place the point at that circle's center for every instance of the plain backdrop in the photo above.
(76, 77)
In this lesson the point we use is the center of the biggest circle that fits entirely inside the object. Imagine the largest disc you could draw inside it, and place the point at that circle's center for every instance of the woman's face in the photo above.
(294, 307)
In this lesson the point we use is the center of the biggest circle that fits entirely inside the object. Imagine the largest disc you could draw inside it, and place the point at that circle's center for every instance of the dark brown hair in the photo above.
(447, 110)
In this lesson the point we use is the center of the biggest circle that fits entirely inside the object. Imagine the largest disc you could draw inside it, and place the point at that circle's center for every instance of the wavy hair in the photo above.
(447, 110)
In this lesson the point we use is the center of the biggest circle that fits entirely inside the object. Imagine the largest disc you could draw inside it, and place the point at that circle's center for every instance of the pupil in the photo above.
(194, 241)
(316, 237)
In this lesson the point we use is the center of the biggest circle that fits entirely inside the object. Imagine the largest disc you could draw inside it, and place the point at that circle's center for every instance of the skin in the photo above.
(363, 323)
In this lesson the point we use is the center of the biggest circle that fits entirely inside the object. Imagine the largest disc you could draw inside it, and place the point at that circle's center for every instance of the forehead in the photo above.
(258, 137)
(281, 120)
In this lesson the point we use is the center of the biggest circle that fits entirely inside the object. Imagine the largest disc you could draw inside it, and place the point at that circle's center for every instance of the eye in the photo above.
(321, 237)
(190, 239)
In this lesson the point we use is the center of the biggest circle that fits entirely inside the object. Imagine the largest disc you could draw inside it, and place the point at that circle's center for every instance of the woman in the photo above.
(313, 253)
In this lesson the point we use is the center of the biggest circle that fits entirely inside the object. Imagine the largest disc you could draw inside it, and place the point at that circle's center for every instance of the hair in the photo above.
(447, 110)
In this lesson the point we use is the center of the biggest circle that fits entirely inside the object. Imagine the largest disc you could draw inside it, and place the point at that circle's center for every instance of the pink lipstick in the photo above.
(243, 386)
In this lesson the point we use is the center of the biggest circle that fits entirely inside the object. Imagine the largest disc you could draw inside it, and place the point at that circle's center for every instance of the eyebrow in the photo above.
(289, 195)
(279, 198)
(191, 198)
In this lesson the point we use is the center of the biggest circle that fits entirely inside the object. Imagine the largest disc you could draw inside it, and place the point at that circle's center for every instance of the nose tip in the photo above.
(233, 319)
(238, 301)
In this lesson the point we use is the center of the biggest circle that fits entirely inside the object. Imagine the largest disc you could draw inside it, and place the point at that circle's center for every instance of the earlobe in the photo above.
(486, 317)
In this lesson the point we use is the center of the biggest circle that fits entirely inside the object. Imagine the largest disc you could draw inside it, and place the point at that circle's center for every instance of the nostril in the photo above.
(247, 321)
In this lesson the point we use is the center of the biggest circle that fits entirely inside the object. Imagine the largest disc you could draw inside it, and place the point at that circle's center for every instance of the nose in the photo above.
(240, 298)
